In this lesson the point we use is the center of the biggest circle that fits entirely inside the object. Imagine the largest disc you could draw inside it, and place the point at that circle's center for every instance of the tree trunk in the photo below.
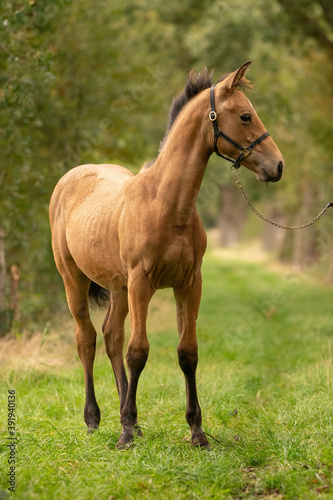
(232, 216)
(14, 291)
(274, 237)
(304, 241)
(330, 270)
(6, 315)
(2, 271)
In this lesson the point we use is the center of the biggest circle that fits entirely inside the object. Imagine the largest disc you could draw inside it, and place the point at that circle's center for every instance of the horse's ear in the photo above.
(234, 78)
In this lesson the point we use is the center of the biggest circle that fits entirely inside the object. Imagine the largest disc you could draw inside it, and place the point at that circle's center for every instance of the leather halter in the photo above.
(244, 151)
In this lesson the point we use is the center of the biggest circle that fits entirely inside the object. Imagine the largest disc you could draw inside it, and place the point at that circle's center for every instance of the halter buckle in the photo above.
(245, 152)
(212, 116)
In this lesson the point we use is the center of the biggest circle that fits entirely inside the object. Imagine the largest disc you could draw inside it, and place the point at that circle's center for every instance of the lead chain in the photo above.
(276, 224)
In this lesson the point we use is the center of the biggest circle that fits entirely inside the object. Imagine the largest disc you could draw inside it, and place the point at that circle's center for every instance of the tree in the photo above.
(313, 19)
(25, 83)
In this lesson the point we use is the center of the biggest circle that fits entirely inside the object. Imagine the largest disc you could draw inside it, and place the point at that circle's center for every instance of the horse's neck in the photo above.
(179, 170)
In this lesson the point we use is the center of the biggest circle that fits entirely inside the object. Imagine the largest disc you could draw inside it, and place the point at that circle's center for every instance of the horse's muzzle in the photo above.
(277, 177)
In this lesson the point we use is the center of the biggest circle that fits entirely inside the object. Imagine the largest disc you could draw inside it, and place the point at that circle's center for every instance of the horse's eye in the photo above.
(246, 117)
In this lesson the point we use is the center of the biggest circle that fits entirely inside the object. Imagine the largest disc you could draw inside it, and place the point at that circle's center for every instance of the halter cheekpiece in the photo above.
(244, 151)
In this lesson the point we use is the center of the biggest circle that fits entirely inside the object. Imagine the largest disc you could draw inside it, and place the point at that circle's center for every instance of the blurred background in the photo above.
(92, 82)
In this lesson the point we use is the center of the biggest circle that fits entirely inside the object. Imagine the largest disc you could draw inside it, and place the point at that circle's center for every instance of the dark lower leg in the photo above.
(86, 346)
(136, 359)
(92, 414)
(188, 362)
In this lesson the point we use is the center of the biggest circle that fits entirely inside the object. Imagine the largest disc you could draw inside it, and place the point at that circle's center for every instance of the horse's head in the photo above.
(237, 118)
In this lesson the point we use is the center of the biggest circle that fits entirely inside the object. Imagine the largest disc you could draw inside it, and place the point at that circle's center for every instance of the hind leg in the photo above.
(77, 286)
(114, 335)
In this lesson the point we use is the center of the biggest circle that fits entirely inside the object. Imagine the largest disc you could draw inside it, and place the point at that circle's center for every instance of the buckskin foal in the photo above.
(133, 234)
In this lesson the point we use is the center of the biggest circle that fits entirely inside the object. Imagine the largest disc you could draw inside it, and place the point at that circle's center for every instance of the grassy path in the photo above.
(265, 382)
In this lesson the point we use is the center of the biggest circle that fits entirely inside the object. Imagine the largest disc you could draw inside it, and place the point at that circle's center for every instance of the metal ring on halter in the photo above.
(212, 116)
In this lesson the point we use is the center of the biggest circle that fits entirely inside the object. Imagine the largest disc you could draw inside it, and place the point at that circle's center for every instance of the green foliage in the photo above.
(26, 111)
(312, 19)
(265, 385)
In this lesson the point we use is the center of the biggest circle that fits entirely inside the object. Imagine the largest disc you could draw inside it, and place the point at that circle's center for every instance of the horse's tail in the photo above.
(98, 296)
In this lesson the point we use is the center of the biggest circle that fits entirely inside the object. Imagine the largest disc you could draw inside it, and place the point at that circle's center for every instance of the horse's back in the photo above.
(84, 214)
(82, 181)
(86, 182)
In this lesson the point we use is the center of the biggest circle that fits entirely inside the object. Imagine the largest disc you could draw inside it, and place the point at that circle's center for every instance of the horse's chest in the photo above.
(169, 255)
(172, 266)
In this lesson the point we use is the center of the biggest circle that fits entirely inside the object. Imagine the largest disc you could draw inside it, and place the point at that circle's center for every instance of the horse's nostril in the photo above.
(280, 167)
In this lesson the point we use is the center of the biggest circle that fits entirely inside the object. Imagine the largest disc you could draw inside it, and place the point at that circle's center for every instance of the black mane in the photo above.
(196, 83)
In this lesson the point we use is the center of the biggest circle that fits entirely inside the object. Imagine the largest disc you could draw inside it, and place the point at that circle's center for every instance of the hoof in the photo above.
(124, 447)
(125, 441)
(91, 430)
(201, 441)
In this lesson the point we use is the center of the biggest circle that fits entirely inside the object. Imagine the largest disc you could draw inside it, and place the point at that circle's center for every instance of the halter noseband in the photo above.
(244, 151)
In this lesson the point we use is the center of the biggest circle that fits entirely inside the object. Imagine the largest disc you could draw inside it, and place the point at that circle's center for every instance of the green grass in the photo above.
(265, 386)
